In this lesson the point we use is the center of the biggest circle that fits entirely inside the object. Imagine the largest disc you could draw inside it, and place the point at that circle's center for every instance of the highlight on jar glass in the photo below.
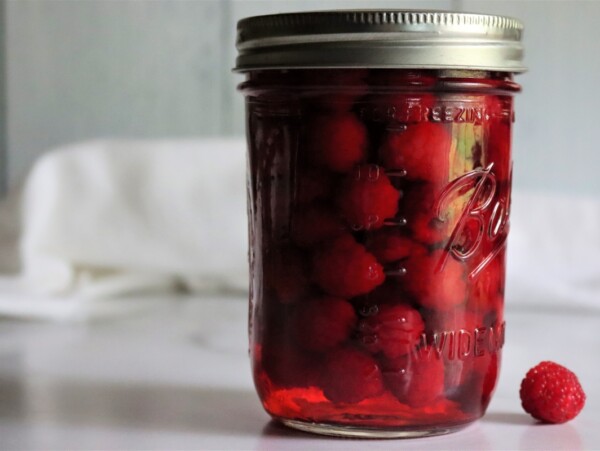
(379, 177)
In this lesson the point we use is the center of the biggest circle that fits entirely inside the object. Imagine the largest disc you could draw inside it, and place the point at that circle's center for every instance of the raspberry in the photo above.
(348, 85)
(344, 268)
(366, 198)
(432, 288)
(388, 245)
(394, 330)
(551, 393)
(422, 150)
(289, 367)
(349, 376)
(337, 142)
(323, 323)
(315, 223)
(416, 379)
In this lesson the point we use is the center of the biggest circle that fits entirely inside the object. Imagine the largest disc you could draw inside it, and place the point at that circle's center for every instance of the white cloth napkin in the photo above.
(110, 226)
(106, 219)
(554, 252)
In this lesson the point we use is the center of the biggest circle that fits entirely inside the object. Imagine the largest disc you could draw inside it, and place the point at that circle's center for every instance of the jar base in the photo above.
(366, 432)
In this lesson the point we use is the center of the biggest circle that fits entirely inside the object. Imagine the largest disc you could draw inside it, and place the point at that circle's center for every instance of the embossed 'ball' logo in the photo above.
(483, 218)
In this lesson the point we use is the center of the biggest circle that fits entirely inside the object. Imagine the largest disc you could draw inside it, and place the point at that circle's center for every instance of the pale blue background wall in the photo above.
(84, 69)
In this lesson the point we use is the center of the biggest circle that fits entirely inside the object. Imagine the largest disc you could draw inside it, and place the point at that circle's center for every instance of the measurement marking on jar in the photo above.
(399, 271)
(395, 222)
(397, 173)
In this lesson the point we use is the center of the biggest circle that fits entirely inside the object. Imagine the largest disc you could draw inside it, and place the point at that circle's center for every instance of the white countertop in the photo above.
(178, 377)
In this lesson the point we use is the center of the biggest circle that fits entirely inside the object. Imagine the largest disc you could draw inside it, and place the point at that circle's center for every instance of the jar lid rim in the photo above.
(380, 39)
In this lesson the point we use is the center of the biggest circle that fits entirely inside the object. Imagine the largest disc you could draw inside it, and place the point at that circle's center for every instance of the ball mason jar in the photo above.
(379, 178)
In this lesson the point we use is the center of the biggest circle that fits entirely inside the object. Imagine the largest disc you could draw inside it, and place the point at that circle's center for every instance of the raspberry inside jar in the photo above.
(378, 205)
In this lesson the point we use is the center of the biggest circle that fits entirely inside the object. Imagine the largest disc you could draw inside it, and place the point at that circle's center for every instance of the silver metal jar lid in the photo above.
(400, 39)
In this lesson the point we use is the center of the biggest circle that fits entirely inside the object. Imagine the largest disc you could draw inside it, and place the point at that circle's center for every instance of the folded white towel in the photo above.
(107, 218)
(554, 251)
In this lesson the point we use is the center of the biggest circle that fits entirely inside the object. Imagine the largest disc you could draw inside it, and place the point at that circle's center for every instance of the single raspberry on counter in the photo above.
(366, 198)
(433, 286)
(390, 245)
(344, 268)
(315, 223)
(422, 150)
(394, 330)
(551, 393)
(288, 366)
(350, 376)
(416, 379)
(323, 323)
(337, 142)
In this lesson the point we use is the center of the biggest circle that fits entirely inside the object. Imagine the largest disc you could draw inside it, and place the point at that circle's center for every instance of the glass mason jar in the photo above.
(379, 177)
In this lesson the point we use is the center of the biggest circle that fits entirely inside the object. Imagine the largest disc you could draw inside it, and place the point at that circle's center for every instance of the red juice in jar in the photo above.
(378, 202)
